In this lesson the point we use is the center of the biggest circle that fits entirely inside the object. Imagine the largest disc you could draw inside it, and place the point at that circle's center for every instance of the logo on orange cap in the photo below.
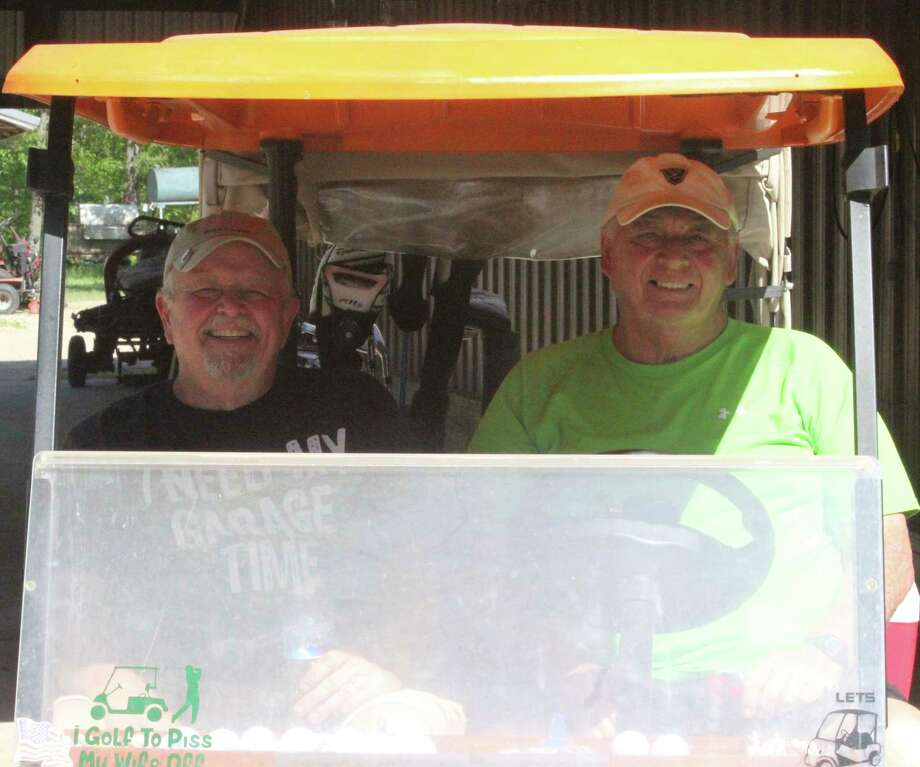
(674, 175)
(672, 180)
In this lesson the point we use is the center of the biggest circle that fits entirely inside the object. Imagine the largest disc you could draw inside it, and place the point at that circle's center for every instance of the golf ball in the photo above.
(670, 744)
(630, 743)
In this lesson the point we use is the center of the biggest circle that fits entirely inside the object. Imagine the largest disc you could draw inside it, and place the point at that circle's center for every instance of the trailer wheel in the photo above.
(9, 299)
(77, 362)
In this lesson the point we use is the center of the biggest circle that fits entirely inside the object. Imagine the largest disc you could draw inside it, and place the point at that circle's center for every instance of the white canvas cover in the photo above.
(531, 206)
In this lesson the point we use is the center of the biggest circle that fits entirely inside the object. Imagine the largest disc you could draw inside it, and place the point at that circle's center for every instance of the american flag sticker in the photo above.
(39, 743)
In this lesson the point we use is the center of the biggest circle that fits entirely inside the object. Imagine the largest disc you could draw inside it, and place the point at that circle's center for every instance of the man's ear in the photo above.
(162, 305)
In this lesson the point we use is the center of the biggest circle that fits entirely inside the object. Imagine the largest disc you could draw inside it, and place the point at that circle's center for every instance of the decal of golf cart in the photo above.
(845, 737)
(139, 703)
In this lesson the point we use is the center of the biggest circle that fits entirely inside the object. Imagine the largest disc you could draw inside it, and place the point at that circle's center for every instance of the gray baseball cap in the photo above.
(199, 239)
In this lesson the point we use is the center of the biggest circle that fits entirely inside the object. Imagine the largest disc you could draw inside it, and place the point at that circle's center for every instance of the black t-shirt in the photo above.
(305, 411)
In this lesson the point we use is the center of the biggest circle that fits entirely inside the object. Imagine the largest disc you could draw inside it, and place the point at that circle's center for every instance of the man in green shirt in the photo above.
(676, 375)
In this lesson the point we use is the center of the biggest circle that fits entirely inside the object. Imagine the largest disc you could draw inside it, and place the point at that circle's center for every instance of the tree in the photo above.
(100, 170)
(15, 198)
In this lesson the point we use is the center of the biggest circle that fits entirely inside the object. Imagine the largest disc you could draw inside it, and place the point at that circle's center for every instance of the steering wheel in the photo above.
(144, 226)
(688, 566)
(666, 576)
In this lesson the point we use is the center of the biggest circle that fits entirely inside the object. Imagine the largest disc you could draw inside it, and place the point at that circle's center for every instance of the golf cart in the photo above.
(142, 704)
(126, 327)
(845, 737)
(409, 140)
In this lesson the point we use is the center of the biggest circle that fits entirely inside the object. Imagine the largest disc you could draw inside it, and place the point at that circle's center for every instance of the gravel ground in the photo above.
(19, 332)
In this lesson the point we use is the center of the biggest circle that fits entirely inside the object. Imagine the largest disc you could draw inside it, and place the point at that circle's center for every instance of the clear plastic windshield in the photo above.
(298, 609)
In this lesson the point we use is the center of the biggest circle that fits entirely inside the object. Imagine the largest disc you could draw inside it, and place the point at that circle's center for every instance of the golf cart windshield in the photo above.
(519, 603)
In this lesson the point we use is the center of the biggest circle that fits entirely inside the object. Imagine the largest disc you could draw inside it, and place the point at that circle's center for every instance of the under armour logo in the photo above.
(724, 412)
(674, 176)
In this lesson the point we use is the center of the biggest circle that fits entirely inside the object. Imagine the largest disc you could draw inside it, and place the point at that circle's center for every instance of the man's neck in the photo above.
(220, 395)
(654, 344)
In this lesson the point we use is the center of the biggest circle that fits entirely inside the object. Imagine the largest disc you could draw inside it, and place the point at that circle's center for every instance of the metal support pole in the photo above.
(282, 155)
(866, 171)
(51, 175)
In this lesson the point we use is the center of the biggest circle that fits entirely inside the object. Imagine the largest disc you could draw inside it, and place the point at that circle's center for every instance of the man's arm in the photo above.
(899, 563)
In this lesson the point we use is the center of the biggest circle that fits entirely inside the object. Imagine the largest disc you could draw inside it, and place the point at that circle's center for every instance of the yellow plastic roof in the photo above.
(367, 88)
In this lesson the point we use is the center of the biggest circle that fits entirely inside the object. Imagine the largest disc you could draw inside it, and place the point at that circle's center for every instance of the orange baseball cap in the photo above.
(672, 179)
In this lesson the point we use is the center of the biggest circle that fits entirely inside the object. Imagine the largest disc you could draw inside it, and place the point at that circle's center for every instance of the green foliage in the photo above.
(84, 283)
(99, 164)
(15, 198)
(100, 171)
(85, 276)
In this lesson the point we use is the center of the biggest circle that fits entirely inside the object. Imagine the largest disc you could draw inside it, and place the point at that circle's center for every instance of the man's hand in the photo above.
(339, 683)
(787, 679)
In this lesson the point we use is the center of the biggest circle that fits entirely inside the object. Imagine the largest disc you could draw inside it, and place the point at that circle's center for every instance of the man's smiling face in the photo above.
(669, 267)
(227, 318)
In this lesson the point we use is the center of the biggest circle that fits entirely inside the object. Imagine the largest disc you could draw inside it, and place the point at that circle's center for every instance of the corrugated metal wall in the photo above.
(10, 38)
(93, 26)
(552, 302)
(112, 26)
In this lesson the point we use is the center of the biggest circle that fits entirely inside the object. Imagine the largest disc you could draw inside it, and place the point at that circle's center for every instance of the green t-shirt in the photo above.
(754, 391)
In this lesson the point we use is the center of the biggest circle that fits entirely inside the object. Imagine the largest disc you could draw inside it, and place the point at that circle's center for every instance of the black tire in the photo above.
(9, 299)
(77, 362)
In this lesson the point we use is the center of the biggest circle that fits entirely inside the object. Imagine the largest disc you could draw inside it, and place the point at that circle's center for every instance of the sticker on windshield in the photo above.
(846, 737)
(133, 714)
(137, 685)
(41, 743)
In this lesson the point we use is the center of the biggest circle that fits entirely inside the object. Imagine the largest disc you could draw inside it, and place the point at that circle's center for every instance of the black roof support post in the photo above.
(866, 172)
(282, 155)
(50, 174)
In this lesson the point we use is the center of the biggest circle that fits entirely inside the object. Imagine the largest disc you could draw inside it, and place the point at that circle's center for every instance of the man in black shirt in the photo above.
(227, 304)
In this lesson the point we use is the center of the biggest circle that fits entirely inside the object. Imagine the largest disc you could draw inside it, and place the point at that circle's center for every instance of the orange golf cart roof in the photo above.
(466, 88)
